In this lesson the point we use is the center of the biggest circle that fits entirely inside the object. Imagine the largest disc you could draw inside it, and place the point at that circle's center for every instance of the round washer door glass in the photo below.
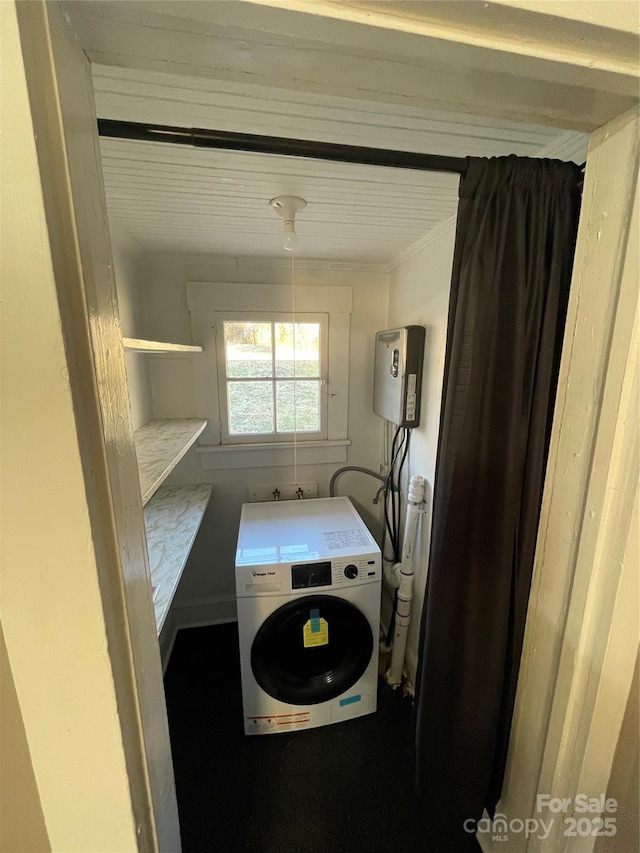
(311, 650)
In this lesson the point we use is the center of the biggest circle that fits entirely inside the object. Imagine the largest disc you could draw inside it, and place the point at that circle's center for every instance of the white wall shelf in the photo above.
(158, 347)
(172, 520)
(160, 445)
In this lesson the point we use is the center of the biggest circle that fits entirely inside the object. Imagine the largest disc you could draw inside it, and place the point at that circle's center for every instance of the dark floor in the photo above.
(341, 788)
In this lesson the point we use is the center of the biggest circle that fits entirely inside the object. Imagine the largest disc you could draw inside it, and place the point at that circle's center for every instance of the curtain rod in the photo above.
(201, 138)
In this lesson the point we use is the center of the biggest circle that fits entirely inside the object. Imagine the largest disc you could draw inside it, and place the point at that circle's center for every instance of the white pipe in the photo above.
(391, 572)
(404, 571)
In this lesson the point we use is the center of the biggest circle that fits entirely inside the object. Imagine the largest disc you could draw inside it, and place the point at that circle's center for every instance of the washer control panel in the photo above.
(354, 570)
(309, 575)
(338, 572)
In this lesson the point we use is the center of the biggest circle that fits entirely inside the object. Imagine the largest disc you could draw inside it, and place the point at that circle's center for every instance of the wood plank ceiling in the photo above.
(380, 74)
(178, 199)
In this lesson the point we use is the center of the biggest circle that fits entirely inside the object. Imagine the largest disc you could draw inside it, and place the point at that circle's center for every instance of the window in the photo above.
(210, 305)
(272, 383)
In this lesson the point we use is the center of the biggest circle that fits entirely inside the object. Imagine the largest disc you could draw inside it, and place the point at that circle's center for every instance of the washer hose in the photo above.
(354, 468)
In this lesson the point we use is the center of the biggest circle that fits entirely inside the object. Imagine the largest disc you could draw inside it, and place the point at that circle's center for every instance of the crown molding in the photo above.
(248, 261)
(442, 229)
(572, 146)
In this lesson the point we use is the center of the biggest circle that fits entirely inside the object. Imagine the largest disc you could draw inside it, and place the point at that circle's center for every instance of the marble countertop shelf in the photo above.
(158, 347)
(172, 520)
(160, 445)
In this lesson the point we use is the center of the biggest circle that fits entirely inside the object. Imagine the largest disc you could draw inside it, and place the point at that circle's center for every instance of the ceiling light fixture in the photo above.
(287, 206)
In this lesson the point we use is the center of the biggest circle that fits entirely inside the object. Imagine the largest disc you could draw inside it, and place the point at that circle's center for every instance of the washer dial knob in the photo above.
(351, 572)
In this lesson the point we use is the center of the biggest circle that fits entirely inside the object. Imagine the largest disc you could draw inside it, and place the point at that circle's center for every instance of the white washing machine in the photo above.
(308, 580)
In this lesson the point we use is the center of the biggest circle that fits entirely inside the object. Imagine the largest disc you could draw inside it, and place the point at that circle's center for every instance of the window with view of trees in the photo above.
(273, 378)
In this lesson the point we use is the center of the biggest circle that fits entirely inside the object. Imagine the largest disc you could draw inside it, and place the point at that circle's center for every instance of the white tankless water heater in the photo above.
(398, 375)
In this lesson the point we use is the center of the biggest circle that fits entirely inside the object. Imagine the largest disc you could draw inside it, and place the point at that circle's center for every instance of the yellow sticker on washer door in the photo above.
(315, 631)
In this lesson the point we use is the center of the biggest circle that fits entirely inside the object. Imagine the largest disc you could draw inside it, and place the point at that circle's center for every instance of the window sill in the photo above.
(272, 455)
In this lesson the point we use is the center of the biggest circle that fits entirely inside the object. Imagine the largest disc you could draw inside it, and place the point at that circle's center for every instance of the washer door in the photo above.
(311, 650)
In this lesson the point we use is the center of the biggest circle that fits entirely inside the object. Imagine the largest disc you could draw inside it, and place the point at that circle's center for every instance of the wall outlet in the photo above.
(384, 470)
(285, 491)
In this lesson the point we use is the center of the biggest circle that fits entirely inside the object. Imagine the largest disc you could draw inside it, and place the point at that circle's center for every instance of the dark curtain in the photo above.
(514, 251)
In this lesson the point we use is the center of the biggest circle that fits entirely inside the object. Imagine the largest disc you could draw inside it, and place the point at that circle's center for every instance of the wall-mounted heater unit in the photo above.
(398, 375)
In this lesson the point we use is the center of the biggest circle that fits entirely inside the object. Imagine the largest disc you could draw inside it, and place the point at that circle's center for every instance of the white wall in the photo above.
(22, 824)
(419, 294)
(207, 587)
(125, 258)
(51, 604)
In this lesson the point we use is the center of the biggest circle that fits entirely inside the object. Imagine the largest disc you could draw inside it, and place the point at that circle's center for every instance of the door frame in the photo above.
(60, 89)
(59, 82)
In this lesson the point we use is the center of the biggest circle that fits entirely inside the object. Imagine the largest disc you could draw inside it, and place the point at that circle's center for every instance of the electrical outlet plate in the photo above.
(287, 491)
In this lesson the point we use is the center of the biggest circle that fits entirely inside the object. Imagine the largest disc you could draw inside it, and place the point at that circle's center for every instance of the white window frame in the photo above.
(204, 300)
(220, 317)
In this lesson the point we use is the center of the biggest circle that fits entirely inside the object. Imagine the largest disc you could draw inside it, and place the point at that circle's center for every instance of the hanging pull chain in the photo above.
(295, 384)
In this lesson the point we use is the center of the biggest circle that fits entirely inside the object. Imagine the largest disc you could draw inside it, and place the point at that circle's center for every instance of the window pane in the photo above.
(301, 398)
(248, 349)
(307, 350)
(250, 407)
